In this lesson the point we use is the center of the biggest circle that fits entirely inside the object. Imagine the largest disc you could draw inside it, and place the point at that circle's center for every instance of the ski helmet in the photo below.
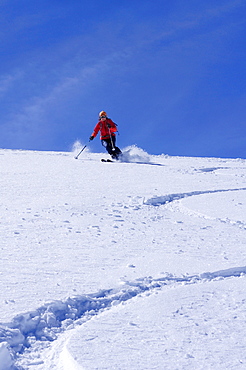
(102, 113)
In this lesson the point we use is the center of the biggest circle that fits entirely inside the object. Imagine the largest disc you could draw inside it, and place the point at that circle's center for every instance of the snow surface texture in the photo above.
(132, 265)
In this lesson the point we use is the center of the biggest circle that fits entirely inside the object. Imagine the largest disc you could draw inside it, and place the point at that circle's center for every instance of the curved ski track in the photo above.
(51, 319)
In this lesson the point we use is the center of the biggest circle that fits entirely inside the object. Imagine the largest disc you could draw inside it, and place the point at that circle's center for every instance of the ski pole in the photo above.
(113, 148)
(77, 156)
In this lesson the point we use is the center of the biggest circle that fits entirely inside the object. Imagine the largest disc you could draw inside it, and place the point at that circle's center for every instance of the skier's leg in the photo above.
(116, 152)
(108, 146)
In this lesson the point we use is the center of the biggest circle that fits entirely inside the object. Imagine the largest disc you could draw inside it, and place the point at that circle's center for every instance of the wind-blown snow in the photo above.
(139, 264)
(135, 155)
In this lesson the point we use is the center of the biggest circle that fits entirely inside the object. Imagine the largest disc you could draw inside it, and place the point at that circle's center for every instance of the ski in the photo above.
(106, 160)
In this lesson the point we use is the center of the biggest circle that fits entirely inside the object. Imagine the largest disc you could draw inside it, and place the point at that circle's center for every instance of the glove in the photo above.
(91, 137)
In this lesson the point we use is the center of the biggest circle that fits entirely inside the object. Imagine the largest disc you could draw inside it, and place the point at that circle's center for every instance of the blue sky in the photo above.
(170, 73)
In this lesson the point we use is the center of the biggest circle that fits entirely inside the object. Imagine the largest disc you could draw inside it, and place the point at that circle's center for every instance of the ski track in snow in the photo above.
(51, 319)
(161, 200)
(169, 198)
(46, 322)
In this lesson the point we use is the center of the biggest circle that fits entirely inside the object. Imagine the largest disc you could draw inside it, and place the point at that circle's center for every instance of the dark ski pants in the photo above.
(113, 150)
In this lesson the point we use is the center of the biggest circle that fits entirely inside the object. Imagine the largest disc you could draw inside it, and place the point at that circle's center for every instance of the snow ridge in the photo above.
(45, 323)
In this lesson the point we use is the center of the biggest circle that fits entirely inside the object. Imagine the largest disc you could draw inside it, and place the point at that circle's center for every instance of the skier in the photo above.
(107, 130)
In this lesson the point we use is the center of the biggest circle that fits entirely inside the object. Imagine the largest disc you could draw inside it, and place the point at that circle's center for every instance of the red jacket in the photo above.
(106, 128)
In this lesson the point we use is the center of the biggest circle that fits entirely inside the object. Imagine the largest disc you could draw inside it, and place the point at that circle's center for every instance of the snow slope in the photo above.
(132, 265)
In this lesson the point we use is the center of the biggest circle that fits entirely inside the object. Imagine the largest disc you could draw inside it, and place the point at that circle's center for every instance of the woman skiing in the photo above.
(107, 130)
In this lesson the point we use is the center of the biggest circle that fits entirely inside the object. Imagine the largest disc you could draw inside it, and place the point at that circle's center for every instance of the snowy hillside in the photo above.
(132, 265)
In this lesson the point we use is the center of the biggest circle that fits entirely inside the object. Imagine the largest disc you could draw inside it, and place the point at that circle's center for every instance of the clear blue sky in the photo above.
(170, 73)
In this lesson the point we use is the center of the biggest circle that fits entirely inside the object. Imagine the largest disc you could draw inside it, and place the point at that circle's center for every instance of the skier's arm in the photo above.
(112, 126)
(95, 132)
